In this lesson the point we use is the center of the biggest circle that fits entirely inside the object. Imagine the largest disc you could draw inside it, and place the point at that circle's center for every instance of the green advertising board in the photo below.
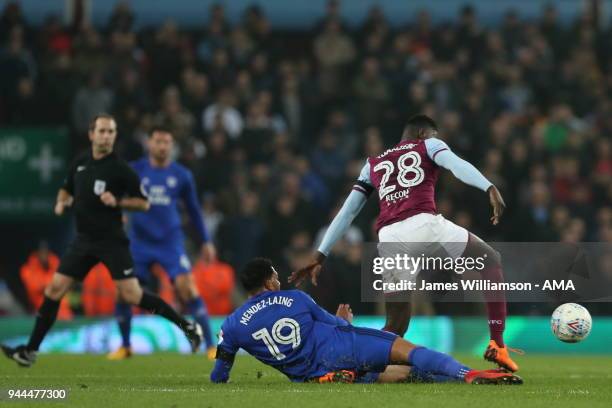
(456, 335)
(33, 162)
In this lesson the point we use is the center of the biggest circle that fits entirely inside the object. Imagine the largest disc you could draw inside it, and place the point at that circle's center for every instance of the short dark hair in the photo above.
(160, 129)
(255, 273)
(420, 121)
(92, 122)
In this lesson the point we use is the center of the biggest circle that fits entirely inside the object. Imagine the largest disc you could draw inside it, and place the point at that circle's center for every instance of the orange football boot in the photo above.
(492, 377)
(340, 376)
(121, 353)
(501, 356)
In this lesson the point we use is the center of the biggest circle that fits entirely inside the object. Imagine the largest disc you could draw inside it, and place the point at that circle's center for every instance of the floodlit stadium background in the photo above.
(275, 105)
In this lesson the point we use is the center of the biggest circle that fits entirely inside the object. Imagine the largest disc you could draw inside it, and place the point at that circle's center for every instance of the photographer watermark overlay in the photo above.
(510, 271)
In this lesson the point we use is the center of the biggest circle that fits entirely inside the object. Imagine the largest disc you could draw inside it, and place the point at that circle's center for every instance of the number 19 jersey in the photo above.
(287, 330)
(405, 177)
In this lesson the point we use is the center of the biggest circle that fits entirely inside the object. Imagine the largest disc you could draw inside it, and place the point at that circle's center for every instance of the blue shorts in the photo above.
(360, 349)
(173, 259)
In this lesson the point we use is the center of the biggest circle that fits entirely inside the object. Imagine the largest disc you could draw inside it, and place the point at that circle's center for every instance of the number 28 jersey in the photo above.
(405, 177)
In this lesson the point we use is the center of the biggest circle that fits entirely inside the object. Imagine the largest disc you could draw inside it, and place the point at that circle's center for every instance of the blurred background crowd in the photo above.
(276, 124)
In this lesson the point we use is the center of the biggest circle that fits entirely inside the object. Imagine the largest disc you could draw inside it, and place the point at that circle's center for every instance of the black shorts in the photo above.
(81, 256)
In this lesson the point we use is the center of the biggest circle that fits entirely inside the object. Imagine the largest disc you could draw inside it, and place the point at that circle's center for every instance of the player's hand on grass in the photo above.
(209, 252)
(312, 271)
(108, 199)
(498, 204)
(345, 312)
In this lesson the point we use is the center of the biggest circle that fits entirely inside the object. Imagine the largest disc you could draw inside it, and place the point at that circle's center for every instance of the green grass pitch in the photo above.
(173, 380)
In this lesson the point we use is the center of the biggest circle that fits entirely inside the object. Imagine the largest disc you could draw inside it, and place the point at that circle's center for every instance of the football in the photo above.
(571, 322)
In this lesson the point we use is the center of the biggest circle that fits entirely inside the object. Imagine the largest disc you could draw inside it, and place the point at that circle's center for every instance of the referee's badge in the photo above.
(99, 186)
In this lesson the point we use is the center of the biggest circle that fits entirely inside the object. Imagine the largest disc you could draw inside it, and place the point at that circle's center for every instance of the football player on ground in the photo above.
(405, 177)
(287, 330)
(157, 238)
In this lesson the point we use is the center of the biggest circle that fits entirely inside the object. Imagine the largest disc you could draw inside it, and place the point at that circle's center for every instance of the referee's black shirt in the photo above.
(87, 179)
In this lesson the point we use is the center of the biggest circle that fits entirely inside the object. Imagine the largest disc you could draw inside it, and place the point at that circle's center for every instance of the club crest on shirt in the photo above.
(171, 181)
(99, 186)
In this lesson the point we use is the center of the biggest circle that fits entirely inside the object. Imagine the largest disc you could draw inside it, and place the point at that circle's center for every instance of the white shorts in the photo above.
(419, 235)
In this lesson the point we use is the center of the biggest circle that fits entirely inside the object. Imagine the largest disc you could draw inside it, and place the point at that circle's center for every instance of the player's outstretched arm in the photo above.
(338, 227)
(134, 204)
(497, 202)
(223, 366)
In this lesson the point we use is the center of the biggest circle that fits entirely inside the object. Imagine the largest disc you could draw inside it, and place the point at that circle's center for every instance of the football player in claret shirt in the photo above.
(287, 330)
(404, 177)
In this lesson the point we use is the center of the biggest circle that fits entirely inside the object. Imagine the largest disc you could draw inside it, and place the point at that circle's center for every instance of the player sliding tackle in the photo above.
(287, 330)
(405, 177)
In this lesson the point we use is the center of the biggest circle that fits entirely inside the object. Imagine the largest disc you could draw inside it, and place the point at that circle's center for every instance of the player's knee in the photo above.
(57, 288)
(186, 288)
(54, 291)
(130, 295)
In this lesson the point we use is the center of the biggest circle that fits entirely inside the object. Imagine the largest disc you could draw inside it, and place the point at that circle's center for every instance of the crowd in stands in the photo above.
(276, 124)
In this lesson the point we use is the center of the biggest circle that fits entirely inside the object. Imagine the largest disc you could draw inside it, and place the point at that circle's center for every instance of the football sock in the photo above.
(123, 313)
(44, 320)
(496, 305)
(425, 376)
(436, 363)
(369, 378)
(198, 310)
(156, 305)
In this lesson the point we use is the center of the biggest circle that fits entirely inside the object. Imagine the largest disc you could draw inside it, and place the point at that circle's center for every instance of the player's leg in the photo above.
(401, 238)
(123, 310)
(130, 292)
(176, 264)
(190, 296)
(436, 363)
(374, 350)
(397, 311)
(119, 262)
(495, 301)
(402, 374)
(459, 242)
(74, 265)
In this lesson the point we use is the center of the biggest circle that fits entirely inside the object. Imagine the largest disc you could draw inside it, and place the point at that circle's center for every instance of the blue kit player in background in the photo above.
(287, 330)
(157, 238)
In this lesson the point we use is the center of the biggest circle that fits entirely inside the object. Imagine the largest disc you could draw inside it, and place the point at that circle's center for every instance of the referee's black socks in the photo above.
(156, 305)
(44, 320)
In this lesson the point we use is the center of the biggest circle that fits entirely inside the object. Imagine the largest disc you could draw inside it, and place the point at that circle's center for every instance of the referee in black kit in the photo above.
(99, 186)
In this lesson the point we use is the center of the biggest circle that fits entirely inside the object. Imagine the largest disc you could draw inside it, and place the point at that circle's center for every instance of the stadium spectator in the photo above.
(215, 282)
(526, 101)
(98, 293)
(36, 273)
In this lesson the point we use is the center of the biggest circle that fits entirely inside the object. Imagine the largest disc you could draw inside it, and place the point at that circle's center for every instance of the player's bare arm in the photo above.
(64, 200)
(126, 203)
(312, 270)
(209, 252)
(497, 202)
